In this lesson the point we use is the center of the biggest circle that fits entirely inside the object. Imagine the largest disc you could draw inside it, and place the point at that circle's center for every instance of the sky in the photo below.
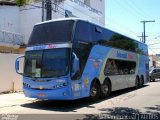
(125, 16)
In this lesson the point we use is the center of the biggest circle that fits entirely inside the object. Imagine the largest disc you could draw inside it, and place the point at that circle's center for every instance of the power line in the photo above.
(152, 50)
(112, 28)
(81, 11)
(134, 7)
(153, 38)
(36, 6)
(154, 43)
(134, 12)
(121, 26)
(155, 48)
(149, 16)
(126, 9)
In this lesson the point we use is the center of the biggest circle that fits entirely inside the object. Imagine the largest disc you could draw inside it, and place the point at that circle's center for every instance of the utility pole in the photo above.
(43, 9)
(144, 29)
(48, 10)
(142, 37)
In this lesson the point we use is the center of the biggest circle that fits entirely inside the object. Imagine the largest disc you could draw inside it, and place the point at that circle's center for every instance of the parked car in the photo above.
(154, 73)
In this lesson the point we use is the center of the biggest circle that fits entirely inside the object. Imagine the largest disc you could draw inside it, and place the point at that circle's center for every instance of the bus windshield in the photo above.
(51, 32)
(47, 63)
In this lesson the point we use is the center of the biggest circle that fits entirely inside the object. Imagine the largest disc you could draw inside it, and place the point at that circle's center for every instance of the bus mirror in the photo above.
(75, 64)
(17, 65)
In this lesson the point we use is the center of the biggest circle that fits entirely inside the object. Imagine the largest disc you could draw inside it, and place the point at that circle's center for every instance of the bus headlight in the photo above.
(59, 85)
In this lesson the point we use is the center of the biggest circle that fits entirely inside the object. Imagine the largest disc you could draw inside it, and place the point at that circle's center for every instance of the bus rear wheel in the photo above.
(137, 83)
(105, 89)
(94, 91)
(141, 81)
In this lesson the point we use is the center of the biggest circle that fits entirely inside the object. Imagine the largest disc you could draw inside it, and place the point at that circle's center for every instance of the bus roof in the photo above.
(62, 19)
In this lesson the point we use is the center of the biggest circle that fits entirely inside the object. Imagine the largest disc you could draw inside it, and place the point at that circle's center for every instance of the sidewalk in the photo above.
(13, 99)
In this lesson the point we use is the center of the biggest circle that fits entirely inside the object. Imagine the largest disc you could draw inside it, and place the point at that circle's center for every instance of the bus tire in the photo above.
(105, 89)
(142, 81)
(150, 79)
(94, 91)
(137, 82)
(153, 80)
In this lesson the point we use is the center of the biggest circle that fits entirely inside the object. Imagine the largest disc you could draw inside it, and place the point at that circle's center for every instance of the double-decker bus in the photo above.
(68, 59)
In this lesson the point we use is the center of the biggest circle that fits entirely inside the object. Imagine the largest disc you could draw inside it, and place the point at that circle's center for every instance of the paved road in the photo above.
(143, 103)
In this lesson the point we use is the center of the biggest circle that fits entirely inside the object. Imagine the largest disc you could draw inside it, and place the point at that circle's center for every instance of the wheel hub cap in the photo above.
(93, 92)
(105, 89)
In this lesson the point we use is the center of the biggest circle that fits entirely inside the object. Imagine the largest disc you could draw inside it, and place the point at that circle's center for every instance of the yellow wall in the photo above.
(5, 49)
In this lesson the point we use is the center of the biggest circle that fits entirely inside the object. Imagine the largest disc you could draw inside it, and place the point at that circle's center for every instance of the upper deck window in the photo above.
(52, 32)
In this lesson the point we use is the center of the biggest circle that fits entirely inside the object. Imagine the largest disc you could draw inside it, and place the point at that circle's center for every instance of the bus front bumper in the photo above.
(56, 94)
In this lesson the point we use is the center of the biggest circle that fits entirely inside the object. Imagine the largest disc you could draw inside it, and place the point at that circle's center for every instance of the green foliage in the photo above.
(21, 2)
(122, 42)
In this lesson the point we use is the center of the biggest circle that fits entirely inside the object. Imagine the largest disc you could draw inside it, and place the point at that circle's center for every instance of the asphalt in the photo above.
(143, 103)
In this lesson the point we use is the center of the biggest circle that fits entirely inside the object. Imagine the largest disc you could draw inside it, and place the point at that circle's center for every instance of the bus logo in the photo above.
(122, 55)
(130, 56)
(51, 46)
(125, 55)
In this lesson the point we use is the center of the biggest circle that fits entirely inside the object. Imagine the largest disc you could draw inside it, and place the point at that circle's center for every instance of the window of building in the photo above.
(119, 67)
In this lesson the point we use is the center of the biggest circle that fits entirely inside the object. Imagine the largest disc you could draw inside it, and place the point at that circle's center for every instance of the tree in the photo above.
(21, 2)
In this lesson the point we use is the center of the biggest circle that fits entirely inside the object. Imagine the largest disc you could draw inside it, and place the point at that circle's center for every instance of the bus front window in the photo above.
(47, 63)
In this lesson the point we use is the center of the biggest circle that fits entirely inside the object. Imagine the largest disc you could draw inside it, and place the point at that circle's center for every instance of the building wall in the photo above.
(10, 18)
(10, 31)
(92, 10)
(100, 5)
(9, 79)
(28, 17)
(154, 61)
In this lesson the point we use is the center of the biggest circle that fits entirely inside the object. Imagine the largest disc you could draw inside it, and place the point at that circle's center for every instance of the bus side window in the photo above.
(110, 67)
(106, 69)
(119, 67)
(132, 71)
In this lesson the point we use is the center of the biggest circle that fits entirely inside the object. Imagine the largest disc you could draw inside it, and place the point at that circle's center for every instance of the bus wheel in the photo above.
(153, 80)
(141, 81)
(137, 83)
(105, 89)
(94, 91)
(150, 79)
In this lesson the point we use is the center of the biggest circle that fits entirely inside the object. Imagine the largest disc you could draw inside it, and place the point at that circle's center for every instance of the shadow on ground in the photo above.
(125, 113)
(157, 80)
(71, 106)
